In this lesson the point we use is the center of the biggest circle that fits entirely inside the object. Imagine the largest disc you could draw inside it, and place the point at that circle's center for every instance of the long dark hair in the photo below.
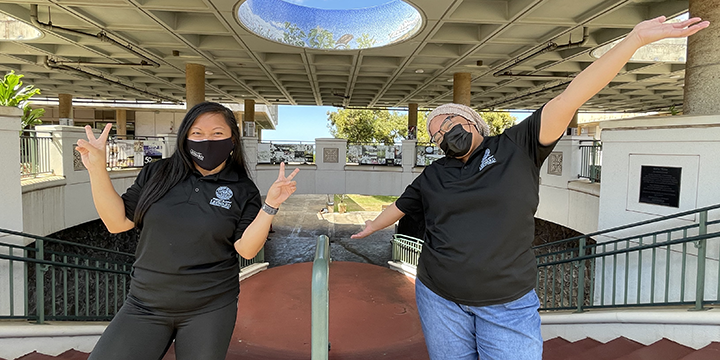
(180, 165)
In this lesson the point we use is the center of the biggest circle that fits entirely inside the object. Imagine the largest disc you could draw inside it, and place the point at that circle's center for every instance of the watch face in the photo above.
(429, 150)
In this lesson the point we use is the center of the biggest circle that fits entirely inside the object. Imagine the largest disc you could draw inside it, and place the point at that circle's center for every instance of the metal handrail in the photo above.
(636, 271)
(634, 225)
(321, 300)
(58, 241)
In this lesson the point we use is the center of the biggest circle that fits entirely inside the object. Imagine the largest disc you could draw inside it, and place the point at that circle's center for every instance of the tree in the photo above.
(293, 35)
(14, 94)
(374, 126)
(320, 38)
(498, 121)
(365, 41)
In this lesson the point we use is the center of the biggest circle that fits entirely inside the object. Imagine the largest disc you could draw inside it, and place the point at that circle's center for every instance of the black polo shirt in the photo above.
(186, 259)
(479, 218)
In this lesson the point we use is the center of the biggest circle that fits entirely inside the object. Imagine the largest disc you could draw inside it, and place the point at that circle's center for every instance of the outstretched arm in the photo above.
(253, 238)
(108, 203)
(386, 218)
(558, 113)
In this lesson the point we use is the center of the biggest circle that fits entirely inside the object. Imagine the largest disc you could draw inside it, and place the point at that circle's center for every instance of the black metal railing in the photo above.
(591, 160)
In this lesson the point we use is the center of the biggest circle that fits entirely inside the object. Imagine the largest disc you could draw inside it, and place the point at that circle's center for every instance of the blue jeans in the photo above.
(509, 331)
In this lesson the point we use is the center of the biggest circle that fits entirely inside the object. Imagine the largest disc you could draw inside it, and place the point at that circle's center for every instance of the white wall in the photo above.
(690, 143)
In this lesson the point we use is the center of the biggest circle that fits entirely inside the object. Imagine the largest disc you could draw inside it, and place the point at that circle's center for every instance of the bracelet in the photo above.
(269, 209)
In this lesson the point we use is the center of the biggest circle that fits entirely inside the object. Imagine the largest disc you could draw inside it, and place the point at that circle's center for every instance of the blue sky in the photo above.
(338, 4)
(305, 123)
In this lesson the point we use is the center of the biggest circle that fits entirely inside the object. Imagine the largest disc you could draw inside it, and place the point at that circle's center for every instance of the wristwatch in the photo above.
(269, 209)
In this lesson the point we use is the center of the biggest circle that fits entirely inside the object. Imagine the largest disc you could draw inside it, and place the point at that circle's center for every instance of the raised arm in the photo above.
(108, 203)
(389, 216)
(253, 238)
(558, 113)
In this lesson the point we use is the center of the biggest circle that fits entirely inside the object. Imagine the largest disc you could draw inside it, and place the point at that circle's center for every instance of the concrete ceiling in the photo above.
(457, 36)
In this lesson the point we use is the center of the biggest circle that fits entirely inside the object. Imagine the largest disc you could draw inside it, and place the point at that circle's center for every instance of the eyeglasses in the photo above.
(446, 125)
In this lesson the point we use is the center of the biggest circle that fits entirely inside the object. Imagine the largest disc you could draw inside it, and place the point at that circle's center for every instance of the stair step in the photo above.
(554, 343)
(36, 356)
(609, 351)
(563, 351)
(661, 350)
(710, 352)
(73, 354)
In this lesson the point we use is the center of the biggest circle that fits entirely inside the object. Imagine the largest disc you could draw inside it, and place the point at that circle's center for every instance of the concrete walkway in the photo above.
(300, 222)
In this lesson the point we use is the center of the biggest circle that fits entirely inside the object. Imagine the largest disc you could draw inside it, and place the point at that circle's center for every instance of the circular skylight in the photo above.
(331, 24)
(13, 30)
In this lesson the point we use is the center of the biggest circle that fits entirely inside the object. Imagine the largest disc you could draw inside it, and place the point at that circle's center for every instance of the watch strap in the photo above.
(269, 209)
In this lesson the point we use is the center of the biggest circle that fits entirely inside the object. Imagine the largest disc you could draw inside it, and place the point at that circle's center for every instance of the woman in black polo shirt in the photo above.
(196, 212)
(475, 293)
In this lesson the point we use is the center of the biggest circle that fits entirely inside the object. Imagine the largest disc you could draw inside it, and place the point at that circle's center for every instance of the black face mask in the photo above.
(456, 142)
(209, 154)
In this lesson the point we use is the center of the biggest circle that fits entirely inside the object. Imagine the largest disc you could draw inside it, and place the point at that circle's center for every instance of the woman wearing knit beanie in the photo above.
(476, 274)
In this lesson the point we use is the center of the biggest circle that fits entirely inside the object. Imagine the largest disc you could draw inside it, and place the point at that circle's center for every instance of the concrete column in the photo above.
(330, 160)
(170, 144)
(194, 84)
(250, 151)
(11, 214)
(121, 119)
(702, 71)
(461, 88)
(412, 121)
(65, 109)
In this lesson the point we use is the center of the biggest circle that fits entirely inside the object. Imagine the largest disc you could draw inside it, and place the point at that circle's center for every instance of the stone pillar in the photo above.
(250, 152)
(121, 119)
(412, 121)
(194, 84)
(170, 144)
(11, 214)
(65, 109)
(461, 88)
(702, 71)
(330, 160)
(249, 114)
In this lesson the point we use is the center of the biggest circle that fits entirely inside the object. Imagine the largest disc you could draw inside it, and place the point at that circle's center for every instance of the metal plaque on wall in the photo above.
(660, 185)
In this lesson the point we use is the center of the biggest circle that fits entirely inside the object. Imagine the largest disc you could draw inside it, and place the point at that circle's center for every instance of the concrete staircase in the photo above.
(555, 349)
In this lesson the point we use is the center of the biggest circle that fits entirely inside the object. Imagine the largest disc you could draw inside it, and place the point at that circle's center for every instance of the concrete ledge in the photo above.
(253, 269)
(695, 329)
(124, 173)
(40, 183)
(380, 168)
(403, 268)
(585, 187)
(53, 338)
(660, 122)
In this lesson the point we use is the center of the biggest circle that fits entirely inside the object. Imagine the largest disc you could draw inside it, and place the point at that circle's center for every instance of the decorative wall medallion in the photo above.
(330, 155)
(555, 162)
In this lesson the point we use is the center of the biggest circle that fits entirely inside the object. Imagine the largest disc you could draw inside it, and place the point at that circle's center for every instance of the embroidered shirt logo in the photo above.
(487, 159)
(223, 195)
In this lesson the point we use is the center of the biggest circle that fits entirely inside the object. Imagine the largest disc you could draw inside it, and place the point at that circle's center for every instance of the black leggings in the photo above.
(136, 333)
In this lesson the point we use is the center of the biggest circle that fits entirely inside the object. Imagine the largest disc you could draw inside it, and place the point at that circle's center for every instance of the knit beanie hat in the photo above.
(462, 110)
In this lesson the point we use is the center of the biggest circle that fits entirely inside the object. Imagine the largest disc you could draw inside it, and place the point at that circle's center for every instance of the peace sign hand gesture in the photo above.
(657, 29)
(282, 188)
(92, 150)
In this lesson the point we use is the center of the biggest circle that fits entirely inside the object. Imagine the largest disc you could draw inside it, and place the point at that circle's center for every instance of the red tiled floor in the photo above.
(36, 356)
(73, 354)
(661, 350)
(554, 343)
(611, 350)
(372, 314)
(562, 352)
(710, 352)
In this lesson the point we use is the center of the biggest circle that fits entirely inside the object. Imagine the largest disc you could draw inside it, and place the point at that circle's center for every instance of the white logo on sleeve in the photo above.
(487, 159)
(223, 195)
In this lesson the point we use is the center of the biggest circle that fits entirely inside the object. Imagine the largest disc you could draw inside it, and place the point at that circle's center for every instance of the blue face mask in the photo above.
(456, 142)
(209, 154)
